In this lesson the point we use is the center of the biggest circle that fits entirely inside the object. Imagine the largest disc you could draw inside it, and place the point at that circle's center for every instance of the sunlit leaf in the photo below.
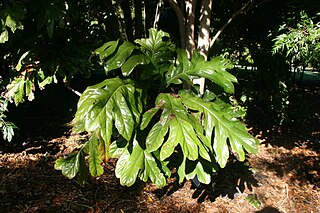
(4, 36)
(95, 160)
(224, 129)
(106, 104)
(120, 56)
(129, 165)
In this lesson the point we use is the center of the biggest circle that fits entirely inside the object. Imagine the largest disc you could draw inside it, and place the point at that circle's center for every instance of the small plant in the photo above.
(155, 128)
(7, 128)
(300, 45)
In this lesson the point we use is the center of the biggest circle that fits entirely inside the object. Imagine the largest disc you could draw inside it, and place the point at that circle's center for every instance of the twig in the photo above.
(287, 195)
(74, 91)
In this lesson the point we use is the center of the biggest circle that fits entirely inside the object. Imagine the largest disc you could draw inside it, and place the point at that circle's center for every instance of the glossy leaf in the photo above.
(132, 62)
(183, 130)
(179, 127)
(95, 160)
(107, 49)
(214, 70)
(114, 102)
(154, 42)
(224, 128)
(71, 165)
(129, 165)
(152, 171)
(4, 36)
(121, 55)
(202, 175)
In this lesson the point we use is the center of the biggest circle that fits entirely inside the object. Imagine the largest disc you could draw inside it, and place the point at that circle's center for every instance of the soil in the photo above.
(282, 177)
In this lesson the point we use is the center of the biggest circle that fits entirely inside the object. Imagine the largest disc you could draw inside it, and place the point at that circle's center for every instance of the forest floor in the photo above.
(283, 177)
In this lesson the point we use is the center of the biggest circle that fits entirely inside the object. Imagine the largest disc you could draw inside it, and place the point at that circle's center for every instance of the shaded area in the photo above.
(36, 187)
(234, 178)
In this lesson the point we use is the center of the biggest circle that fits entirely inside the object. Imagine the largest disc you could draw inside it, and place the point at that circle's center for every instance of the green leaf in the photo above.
(4, 36)
(202, 175)
(157, 133)
(29, 87)
(152, 171)
(19, 65)
(11, 23)
(172, 141)
(154, 42)
(225, 129)
(15, 91)
(182, 170)
(121, 55)
(72, 165)
(147, 116)
(118, 147)
(7, 129)
(95, 160)
(129, 165)
(214, 70)
(132, 62)
(112, 102)
(107, 49)
(176, 73)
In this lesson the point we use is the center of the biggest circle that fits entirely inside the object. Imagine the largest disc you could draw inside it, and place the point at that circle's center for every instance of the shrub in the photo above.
(155, 128)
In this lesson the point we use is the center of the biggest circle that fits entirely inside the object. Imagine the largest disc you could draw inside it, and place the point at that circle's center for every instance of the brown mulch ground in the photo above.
(282, 177)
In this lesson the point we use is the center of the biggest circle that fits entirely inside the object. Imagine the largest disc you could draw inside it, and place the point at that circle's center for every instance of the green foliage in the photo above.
(29, 77)
(183, 130)
(7, 128)
(10, 18)
(253, 200)
(43, 42)
(300, 44)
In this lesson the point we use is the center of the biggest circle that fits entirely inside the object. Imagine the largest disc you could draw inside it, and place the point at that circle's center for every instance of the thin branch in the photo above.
(238, 12)
(157, 15)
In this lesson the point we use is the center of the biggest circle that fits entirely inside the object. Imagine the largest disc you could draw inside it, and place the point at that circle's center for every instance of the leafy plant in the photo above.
(29, 77)
(300, 44)
(182, 131)
(7, 128)
(10, 18)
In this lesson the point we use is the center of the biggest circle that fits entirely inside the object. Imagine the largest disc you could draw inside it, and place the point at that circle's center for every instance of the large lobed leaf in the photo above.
(214, 70)
(114, 102)
(222, 128)
(180, 127)
(203, 135)
(139, 162)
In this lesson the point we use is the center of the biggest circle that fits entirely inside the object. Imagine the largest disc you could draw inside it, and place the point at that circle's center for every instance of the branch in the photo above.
(238, 12)
(181, 20)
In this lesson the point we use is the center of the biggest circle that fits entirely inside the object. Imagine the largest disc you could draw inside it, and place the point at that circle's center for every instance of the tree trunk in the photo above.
(138, 21)
(150, 10)
(181, 20)
(204, 36)
(125, 6)
(190, 32)
(204, 29)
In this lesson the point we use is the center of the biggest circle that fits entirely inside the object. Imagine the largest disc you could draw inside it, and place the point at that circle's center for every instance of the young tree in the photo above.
(145, 118)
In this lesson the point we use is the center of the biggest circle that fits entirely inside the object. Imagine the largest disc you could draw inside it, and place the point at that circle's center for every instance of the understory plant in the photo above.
(141, 115)
(6, 127)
